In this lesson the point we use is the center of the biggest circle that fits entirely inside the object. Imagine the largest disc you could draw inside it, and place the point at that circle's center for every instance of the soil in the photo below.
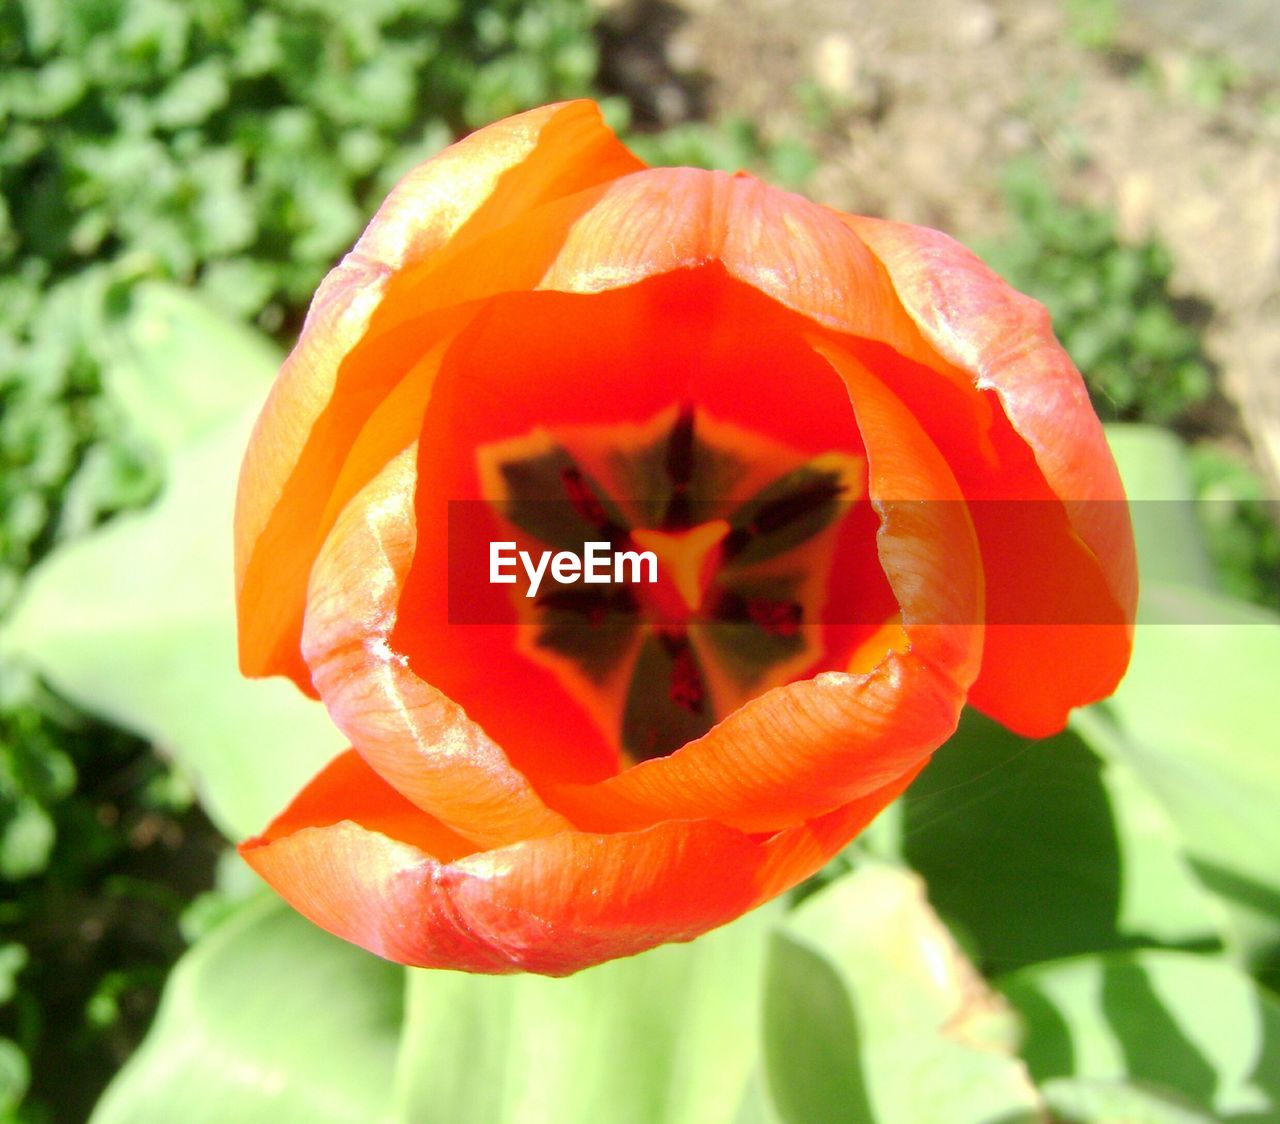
(1165, 113)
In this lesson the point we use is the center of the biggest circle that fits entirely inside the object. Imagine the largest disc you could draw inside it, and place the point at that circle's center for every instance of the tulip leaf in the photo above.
(873, 1015)
(757, 1106)
(665, 1037)
(136, 623)
(1157, 479)
(1191, 1029)
(1195, 719)
(813, 1042)
(266, 1019)
(1075, 1100)
(996, 818)
(178, 368)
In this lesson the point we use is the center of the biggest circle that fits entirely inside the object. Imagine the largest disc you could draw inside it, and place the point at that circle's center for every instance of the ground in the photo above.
(1167, 114)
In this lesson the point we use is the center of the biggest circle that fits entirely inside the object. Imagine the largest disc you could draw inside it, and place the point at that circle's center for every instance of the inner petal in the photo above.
(684, 417)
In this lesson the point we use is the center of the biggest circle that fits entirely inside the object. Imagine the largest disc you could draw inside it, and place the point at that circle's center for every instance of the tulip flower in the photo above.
(645, 530)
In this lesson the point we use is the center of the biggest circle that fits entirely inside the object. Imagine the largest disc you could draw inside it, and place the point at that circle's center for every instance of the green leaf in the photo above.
(267, 1019)
(664, 1037)
(1157, 478)
(136, 623)
(178, 368)
(193, 95)
(1194, 1027)
(874, 1015)
(13, 958)
(1195, 718)
(26, 839)
(1040, 849)
(812, 1042)
(1075, 1100)
(15, 1076)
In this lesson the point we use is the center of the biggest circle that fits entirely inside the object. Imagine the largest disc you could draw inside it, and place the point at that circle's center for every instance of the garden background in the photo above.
(1105, 905)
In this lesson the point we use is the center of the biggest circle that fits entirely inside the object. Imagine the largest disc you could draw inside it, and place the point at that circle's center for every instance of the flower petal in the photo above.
(552, 905)
(421, 742)
(662, 221)
(347, 789)
(927, 542)
(495, 175)
(1082, 582)
(297, 474)
(803, 749)
(799, 852)
(666, 219)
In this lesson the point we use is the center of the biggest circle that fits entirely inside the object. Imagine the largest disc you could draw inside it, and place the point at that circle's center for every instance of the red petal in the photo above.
(551, 905)
(421, 742)
(327, 425)
(1073, 573)
(666, 219)
(799, 852)
(347, 789)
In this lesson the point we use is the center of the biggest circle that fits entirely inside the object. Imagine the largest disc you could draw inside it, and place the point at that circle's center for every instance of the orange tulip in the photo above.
(869, 476)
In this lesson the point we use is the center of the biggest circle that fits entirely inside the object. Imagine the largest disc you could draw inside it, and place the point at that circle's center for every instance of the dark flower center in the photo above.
(741, 529)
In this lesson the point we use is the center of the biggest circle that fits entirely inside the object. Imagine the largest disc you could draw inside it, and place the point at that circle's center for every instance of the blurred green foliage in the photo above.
(1241, 525)
(1111, 303)
(99, 845)
(240, 144)
(729, 146)
(1093, 23)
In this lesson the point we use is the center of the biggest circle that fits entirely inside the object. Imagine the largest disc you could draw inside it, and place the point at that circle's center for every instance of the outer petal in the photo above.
(801, 750)
(799, 852)
(666, 219)
(347, 789)
(663, 220)
(419, 740)
(326, 394)
(551, 905)
(1085, 585)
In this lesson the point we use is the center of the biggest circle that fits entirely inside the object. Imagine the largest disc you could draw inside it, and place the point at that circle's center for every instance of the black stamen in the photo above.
(680, 448)
(789, 509)
(590, 603)
(785, 513)
(777, 618)
(679, 469)
(686, 689)
(585, 502)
